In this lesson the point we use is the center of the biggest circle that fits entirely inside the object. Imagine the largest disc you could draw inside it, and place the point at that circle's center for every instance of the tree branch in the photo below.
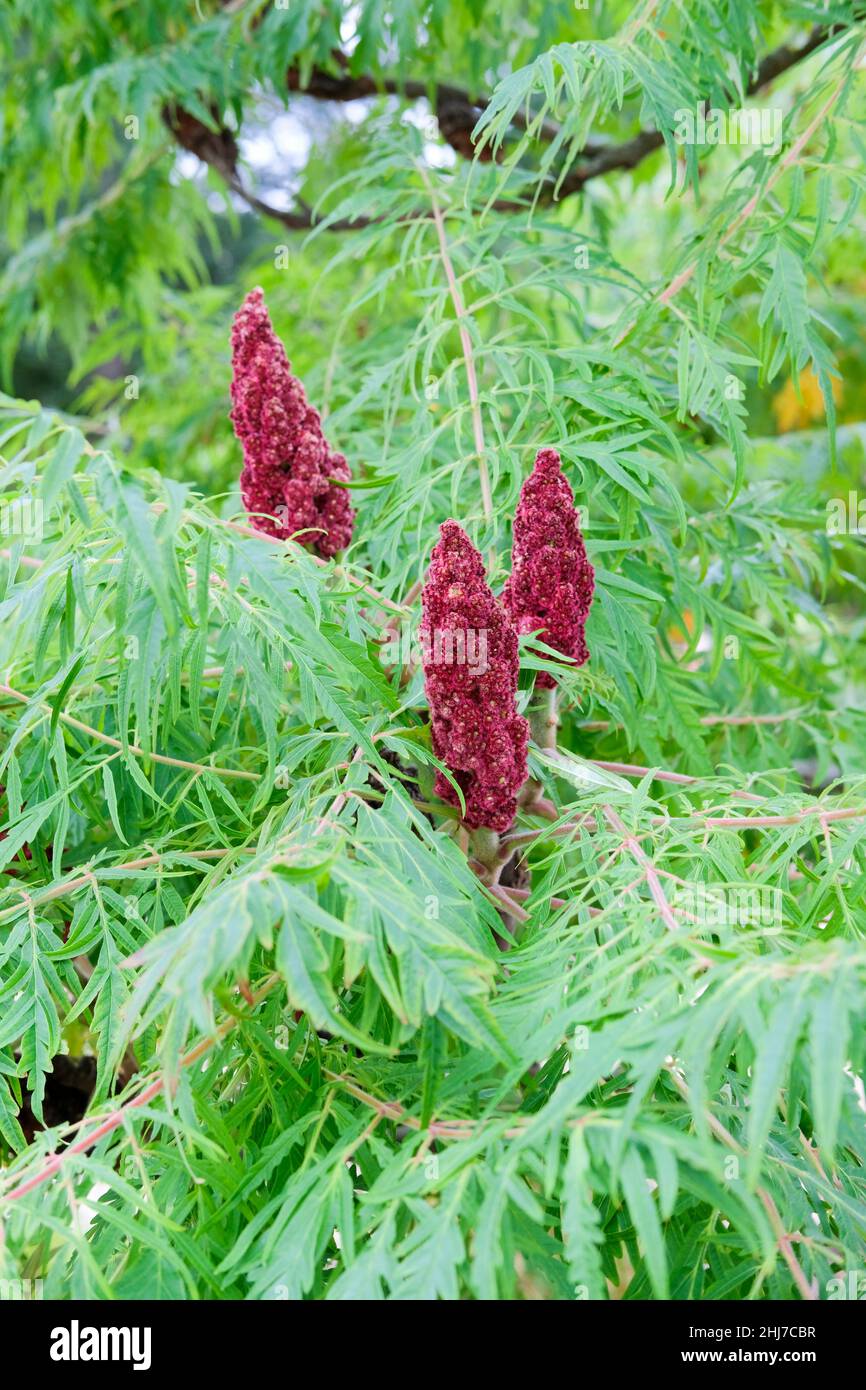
(468, 356)
(629, 154)
(55, 1162)
(457, 112)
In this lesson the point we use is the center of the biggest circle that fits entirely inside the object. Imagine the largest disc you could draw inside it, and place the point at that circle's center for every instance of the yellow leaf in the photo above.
(796, 408)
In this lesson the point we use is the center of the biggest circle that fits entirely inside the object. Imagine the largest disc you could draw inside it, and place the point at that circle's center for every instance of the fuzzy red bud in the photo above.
(470, 675)
(288, 466)
(552, 581)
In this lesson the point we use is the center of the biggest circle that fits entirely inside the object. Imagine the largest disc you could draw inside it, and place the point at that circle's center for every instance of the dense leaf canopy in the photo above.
(335, 1056)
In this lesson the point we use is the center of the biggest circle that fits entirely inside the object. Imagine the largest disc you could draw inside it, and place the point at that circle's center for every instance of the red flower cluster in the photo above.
(470, 639)
(288, 466)
(552, 581)
(470, 674)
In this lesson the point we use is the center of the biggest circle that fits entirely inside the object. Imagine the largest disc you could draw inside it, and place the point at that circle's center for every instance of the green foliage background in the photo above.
(339, 1082)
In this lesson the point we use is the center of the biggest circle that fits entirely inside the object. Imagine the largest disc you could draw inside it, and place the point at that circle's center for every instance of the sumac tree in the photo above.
(353, 1009)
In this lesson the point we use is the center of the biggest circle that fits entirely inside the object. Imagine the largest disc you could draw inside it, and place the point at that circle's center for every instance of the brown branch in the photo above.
(71, 885)
(56, 1161)
(27, 561)
(685, 276)
(661, 774)
(457, 112)
(340, 572)
(597, 726)
(808, 1288)
(133, 748)
(645, 864)
(338, 803)
(632, 152)
(468, 356)
(588, 823)
(760, 822)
